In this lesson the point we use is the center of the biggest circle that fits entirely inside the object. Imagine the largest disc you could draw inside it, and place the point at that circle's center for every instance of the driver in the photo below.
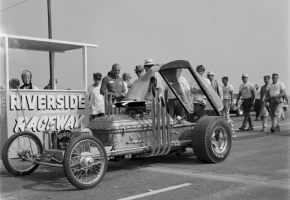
(26, 78)
(199, 104)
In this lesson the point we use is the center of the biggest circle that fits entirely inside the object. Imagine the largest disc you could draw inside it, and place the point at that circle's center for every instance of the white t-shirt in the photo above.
(275, 89)
(246, 89)
(226, 91)
(126, 87)
(184, 86)
(257, 93)
(96, 100)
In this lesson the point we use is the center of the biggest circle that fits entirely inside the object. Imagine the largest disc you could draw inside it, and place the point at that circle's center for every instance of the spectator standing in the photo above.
(195, 89)
(264, 105)
(246, 90)
(227, 97)
(96, 100)
(215, 84)
(175, 107)
(139, 70)
(114, 84)
(257, 106)
(275, 94)
(160, 82)
(26, 78)
(126, 78)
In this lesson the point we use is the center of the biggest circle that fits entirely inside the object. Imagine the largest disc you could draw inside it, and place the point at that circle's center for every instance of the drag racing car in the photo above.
(129, 129)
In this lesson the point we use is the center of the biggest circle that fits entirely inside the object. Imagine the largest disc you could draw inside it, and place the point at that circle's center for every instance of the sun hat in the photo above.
(244, 75)
(97, 76)
(200, 100)
(149, 62)
(139, 68)
(210, 73)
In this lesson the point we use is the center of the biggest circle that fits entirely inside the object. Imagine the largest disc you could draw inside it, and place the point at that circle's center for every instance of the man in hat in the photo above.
(141, 87)
(275, 94)
(199, 104)
(227, 97)
(215, 84)
(246, 91)
(257, 106)
(114, 84)
(139, 70)
(96, 99)
(26, 78)
(160, 82)
(126, 78)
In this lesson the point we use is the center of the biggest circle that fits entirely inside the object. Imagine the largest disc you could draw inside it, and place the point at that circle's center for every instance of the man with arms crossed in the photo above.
(246, 90)
(114, 84)
(275, 94)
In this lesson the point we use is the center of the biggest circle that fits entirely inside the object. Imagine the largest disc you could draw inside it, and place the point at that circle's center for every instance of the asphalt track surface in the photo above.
(257, 168)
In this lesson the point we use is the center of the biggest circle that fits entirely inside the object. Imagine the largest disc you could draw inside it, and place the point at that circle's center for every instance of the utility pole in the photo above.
(51, 54)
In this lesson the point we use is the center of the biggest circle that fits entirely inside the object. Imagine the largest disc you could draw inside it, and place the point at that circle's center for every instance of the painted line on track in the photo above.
(221, 177)
(156, 191)
(262, 126)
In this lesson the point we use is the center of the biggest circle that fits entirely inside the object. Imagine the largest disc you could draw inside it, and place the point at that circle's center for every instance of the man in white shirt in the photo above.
(246, 90)
(217, 86)
(227, 97)
(175, 107)
(96, 100)
(275, 94)
(257, 106)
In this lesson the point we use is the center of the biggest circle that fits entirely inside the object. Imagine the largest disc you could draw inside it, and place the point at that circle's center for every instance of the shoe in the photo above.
(264, 130)
(273, 129)
(242, 128)
(234, 134)
(278, 128)
(257, 119)
(250, 128)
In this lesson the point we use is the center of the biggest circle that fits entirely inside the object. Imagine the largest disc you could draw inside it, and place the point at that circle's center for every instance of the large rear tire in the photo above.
(211, 139)
(17, 149)
(85, 162)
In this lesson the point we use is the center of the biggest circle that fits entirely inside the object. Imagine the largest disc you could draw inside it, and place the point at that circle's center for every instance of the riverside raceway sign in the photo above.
(40, 111)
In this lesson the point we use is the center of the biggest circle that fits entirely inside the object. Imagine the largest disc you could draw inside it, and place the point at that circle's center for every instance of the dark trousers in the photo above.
(97, 115)
(175, 108)
(257, 107)
(247, 106)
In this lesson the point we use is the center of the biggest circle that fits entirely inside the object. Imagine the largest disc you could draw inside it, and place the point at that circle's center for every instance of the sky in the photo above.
(228, 37)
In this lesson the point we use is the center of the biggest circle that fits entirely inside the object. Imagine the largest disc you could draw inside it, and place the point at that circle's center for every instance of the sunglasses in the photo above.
(139, 72)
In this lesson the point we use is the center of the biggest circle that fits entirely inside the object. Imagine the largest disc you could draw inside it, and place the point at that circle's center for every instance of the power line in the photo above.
(13, 6)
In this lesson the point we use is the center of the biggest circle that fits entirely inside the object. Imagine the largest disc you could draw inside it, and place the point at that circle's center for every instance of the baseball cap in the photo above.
(200, 100)
(97, 76)
(244, 75)
(139, 68)
(210, 73)
(149, 62)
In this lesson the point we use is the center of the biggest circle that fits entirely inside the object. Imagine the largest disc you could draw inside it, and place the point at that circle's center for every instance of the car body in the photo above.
(129, 129)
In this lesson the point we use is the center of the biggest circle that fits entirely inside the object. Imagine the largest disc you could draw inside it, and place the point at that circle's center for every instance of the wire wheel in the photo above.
(85, 162)
(18, 152)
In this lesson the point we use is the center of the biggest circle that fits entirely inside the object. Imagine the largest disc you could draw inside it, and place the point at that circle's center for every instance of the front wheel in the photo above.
(211, 139)
(85, 162)
(19, 150)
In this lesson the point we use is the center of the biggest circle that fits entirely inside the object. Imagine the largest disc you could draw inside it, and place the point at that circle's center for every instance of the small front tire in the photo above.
(18, 149)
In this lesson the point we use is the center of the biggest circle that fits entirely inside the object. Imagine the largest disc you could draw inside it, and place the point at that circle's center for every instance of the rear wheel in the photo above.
(18, 150)
(85, 162)
(211, 139)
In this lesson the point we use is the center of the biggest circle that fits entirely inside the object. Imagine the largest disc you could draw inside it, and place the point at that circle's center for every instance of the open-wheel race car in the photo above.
(129, 129)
